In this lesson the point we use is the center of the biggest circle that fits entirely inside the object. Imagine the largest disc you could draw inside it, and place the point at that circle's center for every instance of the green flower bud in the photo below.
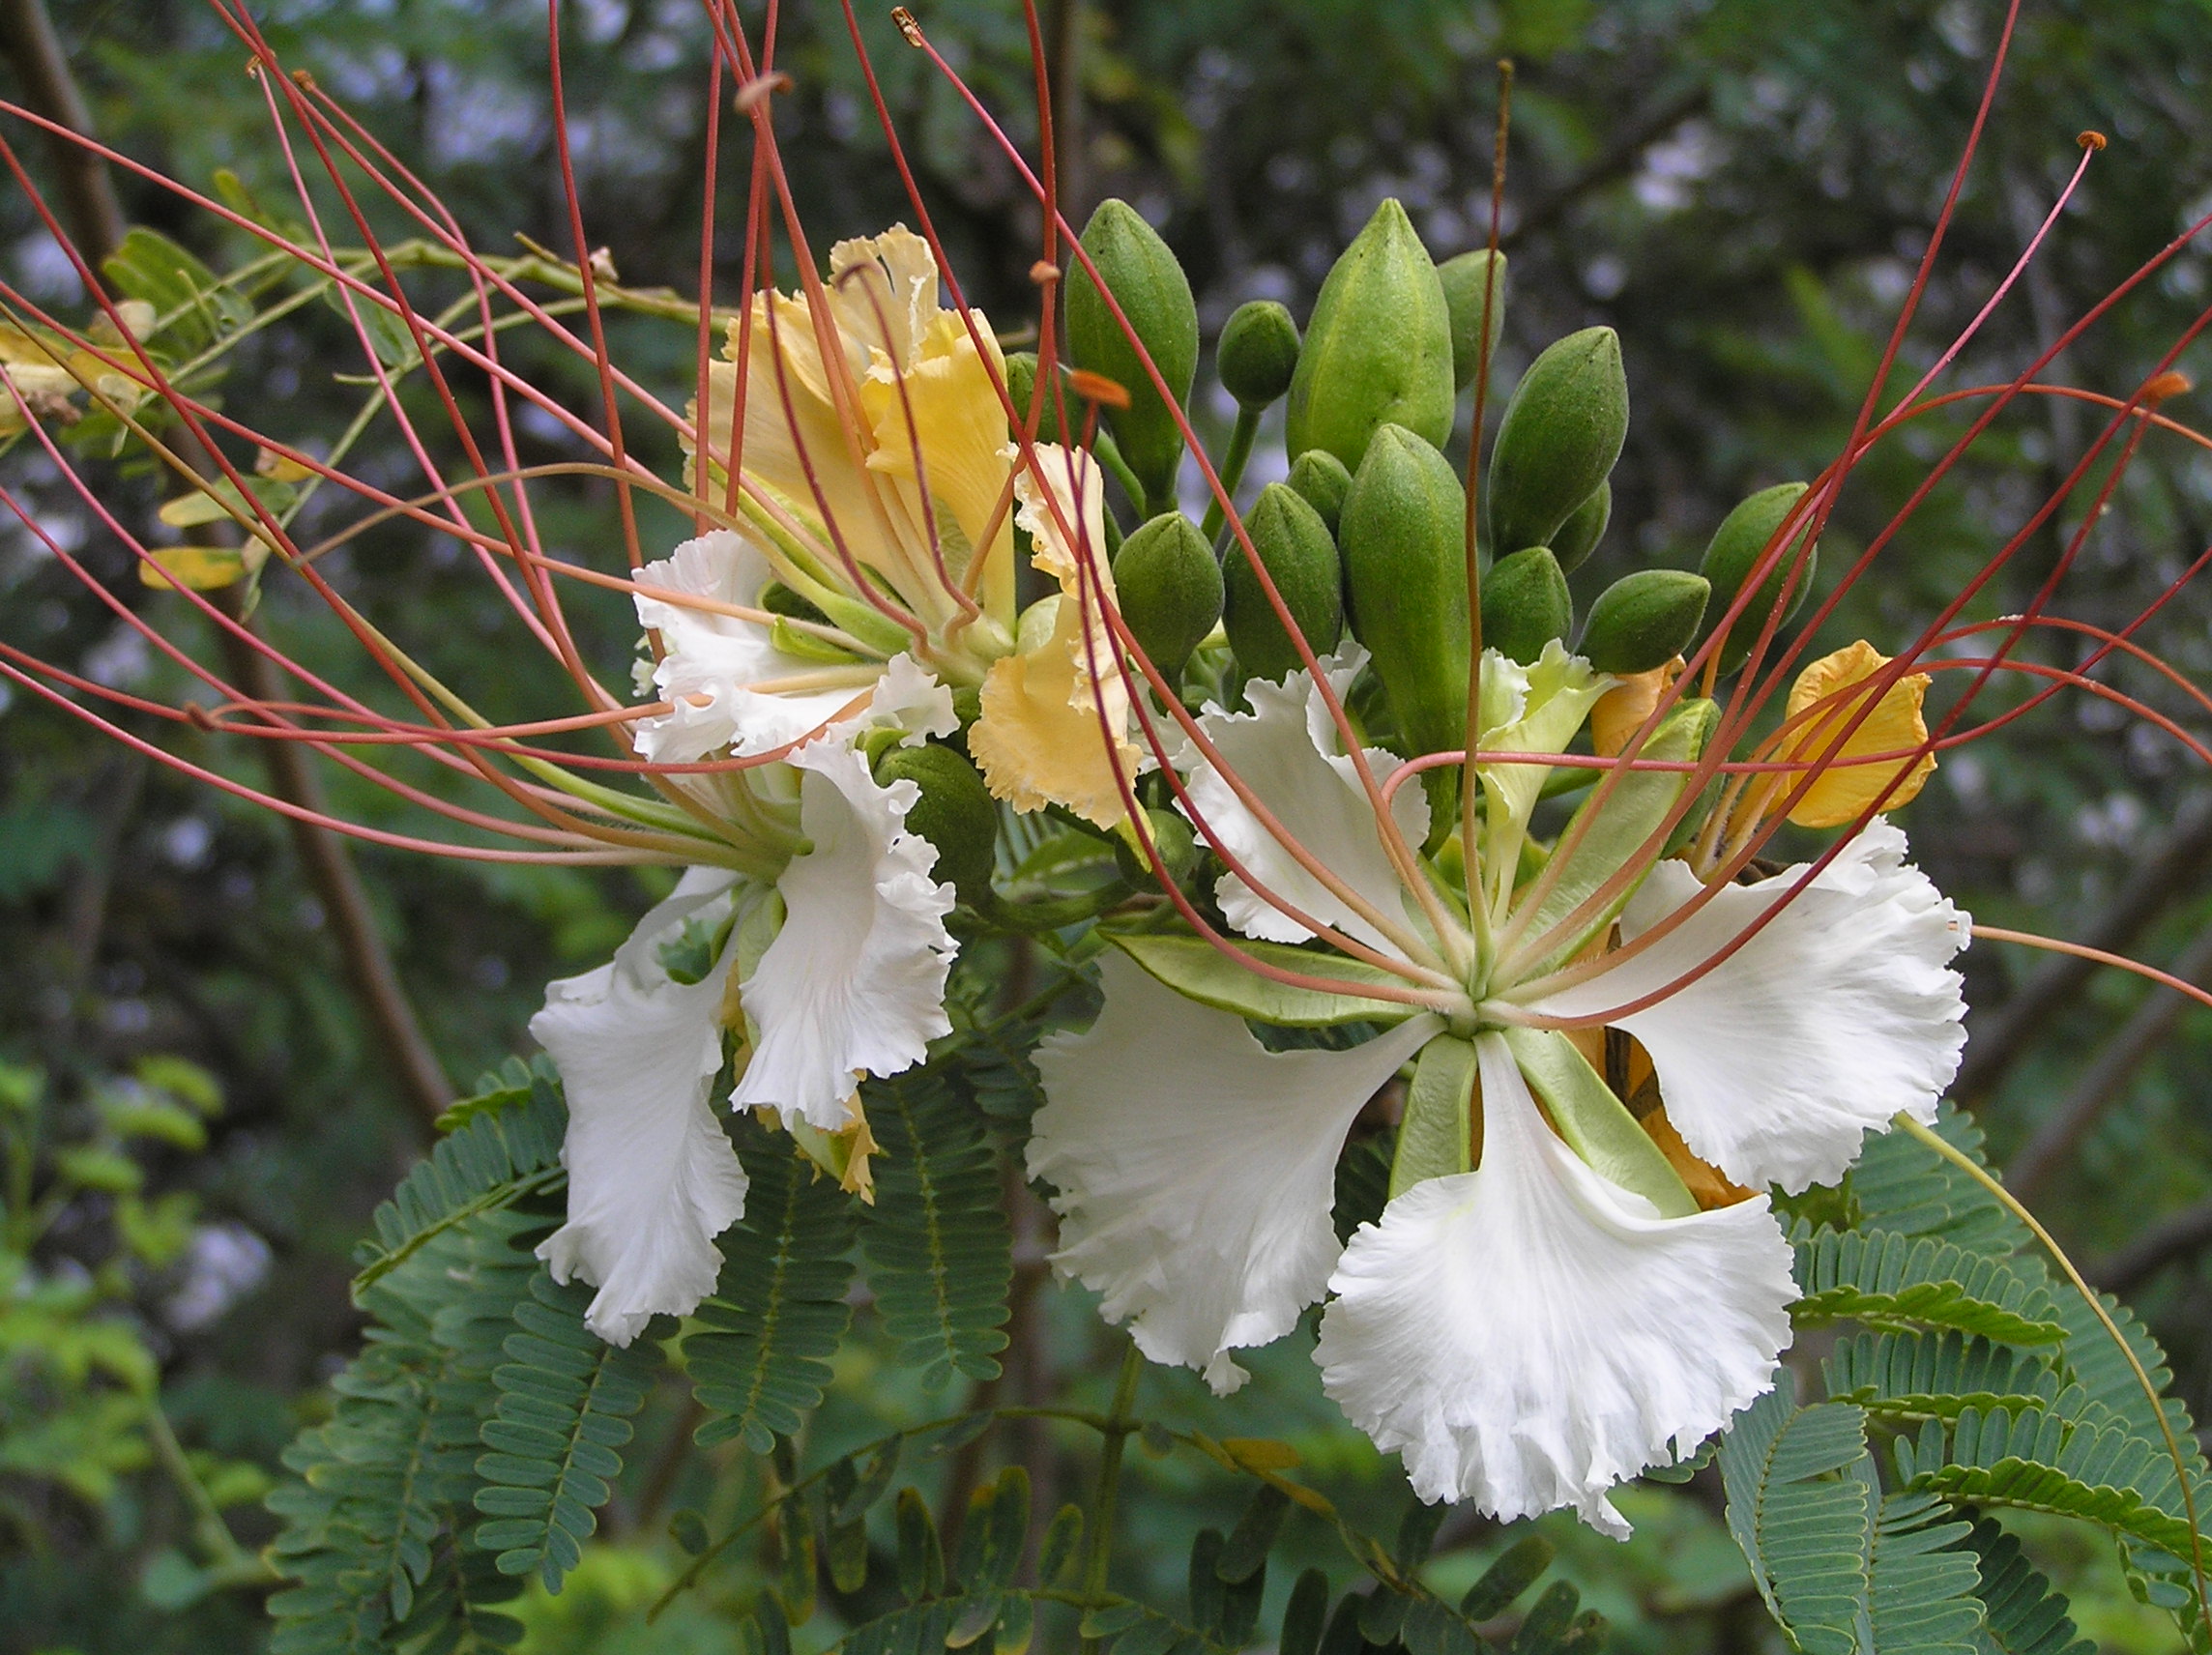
(1404, 541)
(1561, 433)
(1143, 277)
(1300, 558)
(1021, 386)
(1322, 480)
(1169, 588)
(967, 706)
(1584, 527)
(1176, 845)
(1467, 279)
(1524, 605)
(954, 813)
(1643, 620)
(1378, 348)
(1735, 553)
(1258, 353)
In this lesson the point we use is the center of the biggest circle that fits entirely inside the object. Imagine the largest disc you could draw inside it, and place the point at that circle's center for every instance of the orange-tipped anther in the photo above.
(303, 80)
(759, 87)
(2171, 382)
(906, 26)
(2091, 139)
(1044, 272)
(1097, 388)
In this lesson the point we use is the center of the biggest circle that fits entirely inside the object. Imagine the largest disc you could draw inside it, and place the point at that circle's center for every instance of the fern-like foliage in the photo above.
(939, 1255)
(505, 1145)
(1912, 1377)
(1886, 1278)
(372, 1527)
(760, 1355)
(1921, 1583)
(565, 1403)
(2020, 1612)
(1900, 1185)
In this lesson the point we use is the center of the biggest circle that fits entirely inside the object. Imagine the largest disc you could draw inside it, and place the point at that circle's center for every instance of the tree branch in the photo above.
(94, 224)
(2172, 866)
(2105, 1081)
(1614, 164)
(2186, 1232)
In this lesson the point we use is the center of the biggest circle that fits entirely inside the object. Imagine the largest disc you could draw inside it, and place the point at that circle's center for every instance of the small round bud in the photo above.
(1300, 558)
(1321, 481)
(1143, 277)
(1169, 590)
(1560, 435)
(1584, 527)
(1643, 620)
(1378, 348)
(1736, 547)
(1469, 286)
(953, 812)
(1525, 605)
(1172, 843)
(1404, 543)
(1258, 353)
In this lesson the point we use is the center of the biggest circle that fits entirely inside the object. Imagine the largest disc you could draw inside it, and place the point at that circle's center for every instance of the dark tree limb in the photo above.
(2104, 1082)
(95, 223)
(2186, 1232)
(2171, 867)
(1616, 162)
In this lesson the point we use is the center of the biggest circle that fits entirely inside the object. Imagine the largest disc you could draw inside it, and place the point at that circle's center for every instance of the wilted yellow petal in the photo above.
(1040, 739)
(1843, 789)
(278, 468)
(198, 568)
(1622, 709)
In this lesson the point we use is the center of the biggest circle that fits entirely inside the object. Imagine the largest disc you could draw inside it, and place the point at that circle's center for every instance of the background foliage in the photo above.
(197, 1110)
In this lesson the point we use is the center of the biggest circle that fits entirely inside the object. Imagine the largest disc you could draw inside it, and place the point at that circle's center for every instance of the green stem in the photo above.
(1233, 465)
(1098, 1531)
(232, 1562)
(2012, 1203)
(1108, 454)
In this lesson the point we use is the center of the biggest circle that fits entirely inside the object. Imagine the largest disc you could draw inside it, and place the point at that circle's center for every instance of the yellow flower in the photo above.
(1040, 740)
(833, 403)
(1844, 788)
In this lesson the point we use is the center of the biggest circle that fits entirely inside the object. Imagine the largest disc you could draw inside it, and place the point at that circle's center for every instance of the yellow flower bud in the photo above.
(1844, 788)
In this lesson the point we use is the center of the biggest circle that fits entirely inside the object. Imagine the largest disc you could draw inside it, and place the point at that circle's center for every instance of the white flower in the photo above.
(1196, 1169)
(1840, 1014)
(854, 983)
(652, 1178)
(1529, 1334)
(726, 681)
(851, 984)
(1286, 752)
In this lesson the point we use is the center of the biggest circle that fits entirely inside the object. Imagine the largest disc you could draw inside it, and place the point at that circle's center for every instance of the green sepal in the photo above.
(1626, 814)
(807, 646)
(1197, 971)
(1596, 1124)
(1434, 1135)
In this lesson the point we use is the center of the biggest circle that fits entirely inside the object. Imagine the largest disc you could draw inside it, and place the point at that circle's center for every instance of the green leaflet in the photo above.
(1613, 826)
(1885, 1279)
(759, 1354)
(2022, 1615)
(1596, 1124)
(1910, 1376)
(939, 1255)
(504, 1144)
(374, 1530)
(565, 1399)
(1846, 1570)
(1194, 968)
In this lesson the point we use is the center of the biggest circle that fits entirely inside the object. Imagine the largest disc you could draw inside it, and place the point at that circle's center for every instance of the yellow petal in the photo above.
(202, 569)
(1844, 790)
(883, 289)
(1622, 709)
(1040, 740)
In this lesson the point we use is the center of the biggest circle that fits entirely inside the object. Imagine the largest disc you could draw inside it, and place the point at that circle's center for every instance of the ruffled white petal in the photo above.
(1840, 1013)
(1529, 1334)
(711, 661)
(1288, 752)
(1195, 1169)
(652, 1178)
(854, 983)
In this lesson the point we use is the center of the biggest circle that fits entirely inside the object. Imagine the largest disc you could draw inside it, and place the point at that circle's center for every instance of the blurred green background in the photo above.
(198, 1113)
